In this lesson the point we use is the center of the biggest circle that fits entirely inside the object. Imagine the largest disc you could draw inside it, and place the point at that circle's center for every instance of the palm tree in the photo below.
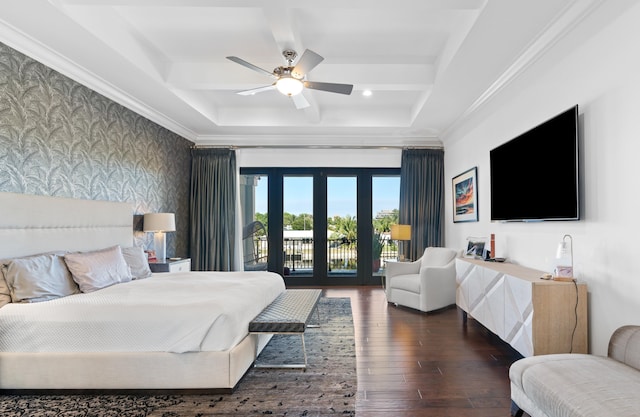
(347, 227)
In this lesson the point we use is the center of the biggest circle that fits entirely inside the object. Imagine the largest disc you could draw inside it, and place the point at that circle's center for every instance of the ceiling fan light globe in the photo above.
(289, 86)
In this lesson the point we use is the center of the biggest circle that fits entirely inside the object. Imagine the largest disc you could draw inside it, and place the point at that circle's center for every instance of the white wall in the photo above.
(601, 75)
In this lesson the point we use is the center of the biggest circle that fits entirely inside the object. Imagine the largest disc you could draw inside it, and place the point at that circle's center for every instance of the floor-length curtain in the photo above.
(213, 209)
(422, 198)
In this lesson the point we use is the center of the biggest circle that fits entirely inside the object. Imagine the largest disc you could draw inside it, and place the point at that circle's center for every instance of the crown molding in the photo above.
(38, 51)
(318, 141)
(565, 22)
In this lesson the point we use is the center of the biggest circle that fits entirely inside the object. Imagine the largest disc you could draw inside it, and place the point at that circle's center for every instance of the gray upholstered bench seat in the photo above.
(580, 385)
(290, 313)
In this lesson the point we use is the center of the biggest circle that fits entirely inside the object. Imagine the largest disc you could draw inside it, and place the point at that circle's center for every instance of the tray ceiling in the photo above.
(427, 63)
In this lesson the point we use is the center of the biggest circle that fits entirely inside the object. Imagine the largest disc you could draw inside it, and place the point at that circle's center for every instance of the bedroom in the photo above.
(590, 64)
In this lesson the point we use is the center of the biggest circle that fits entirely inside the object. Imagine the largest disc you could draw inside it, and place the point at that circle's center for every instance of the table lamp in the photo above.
(159, 223)
(400, 232)
(564, 260)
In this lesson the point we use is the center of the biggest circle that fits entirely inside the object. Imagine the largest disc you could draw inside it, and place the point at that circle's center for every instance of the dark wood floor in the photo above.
(416, 364)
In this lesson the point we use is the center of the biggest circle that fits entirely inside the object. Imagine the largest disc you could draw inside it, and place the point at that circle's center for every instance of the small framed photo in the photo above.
(475, 247)
(465, 196)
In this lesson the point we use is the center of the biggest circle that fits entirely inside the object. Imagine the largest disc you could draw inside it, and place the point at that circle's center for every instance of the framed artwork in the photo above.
(475, 247)
(465, 196)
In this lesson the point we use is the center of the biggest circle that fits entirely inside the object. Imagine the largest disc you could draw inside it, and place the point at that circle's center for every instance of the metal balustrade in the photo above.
(341, 254)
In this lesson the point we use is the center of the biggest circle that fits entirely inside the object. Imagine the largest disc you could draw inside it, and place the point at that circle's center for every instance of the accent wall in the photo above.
(60, 138)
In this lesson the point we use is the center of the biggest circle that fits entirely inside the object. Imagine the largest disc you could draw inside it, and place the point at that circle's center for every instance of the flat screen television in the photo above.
(534, 177)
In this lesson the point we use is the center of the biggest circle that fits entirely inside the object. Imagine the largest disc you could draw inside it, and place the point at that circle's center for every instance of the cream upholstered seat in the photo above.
(426, 284)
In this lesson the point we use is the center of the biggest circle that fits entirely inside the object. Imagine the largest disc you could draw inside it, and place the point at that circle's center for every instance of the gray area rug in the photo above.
(327, 388)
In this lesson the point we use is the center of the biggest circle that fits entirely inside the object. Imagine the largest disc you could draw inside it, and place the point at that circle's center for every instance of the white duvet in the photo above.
(176, 312)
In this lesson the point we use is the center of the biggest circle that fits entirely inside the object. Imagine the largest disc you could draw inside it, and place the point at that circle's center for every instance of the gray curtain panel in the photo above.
(422, 198)
(213, 209)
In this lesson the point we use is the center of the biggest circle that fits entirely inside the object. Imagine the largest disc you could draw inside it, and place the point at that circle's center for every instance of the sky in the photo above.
(298, 195)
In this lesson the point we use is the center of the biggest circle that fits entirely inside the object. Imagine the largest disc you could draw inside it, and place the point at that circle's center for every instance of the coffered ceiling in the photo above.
(427, 63)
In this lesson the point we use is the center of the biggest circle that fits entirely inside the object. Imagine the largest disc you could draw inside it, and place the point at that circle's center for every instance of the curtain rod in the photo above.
(312, 147)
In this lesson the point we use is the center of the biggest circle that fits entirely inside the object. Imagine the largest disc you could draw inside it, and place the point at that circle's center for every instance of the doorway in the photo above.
(324, 226)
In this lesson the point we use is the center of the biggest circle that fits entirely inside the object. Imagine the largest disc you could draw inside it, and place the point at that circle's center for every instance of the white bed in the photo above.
(190, 331)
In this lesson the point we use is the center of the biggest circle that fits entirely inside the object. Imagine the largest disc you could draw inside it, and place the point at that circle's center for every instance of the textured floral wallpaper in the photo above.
(59, 138)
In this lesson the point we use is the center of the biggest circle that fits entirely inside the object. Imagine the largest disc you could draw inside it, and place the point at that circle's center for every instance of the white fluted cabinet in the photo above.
(534, 316)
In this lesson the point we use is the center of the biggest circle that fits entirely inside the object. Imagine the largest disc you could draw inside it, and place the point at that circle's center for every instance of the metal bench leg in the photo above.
(304, 352)
(313, 326)
(302, 366)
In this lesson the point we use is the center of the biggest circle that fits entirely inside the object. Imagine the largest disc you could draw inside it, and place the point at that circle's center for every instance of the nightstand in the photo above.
(179, 265)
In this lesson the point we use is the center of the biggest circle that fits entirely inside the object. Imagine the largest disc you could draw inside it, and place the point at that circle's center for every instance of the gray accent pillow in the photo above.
(38, 278)
(98, 269)
(137, 260)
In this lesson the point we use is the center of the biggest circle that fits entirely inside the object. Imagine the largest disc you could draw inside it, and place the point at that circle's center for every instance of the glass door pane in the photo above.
(385, 201)
(342, 226)
(254, 203)
(297, 222)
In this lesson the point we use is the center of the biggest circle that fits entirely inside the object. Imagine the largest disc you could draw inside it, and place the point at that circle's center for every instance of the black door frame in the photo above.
(364, 275)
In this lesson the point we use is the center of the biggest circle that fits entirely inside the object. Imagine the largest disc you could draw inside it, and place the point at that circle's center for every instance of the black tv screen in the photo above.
(534, 176)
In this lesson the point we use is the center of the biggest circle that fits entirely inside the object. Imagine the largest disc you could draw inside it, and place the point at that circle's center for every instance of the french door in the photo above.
(319, 222)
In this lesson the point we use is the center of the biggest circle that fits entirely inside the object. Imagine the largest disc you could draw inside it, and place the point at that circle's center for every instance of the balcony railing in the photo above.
(342, 255)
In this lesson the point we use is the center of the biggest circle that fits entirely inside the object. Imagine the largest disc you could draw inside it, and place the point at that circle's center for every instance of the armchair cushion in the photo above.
(407, 283)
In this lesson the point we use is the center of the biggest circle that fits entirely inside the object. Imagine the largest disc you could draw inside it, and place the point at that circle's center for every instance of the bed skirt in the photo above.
(129, 370)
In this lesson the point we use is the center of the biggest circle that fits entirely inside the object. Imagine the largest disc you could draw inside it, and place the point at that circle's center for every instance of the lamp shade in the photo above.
(289, 86)
(159, 222)
(401, 232)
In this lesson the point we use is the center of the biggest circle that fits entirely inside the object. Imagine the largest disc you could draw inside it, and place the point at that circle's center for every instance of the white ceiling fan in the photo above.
(291, 80)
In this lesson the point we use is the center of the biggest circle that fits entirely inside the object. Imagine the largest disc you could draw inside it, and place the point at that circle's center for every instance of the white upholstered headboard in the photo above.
(31, 224)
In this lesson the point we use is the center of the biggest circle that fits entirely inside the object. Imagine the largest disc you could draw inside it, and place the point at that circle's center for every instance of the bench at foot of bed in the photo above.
(290, 313)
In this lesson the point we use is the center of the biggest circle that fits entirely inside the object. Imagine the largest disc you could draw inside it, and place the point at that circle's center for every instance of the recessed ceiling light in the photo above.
(366, 93)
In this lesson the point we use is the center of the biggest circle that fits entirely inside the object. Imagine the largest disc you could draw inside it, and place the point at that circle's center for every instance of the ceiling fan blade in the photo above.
(251, 66)
(330, 87)
(257, 90)
(308, 61)
(300, 101)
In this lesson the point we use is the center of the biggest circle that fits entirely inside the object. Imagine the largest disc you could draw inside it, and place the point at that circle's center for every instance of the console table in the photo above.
(534, 316)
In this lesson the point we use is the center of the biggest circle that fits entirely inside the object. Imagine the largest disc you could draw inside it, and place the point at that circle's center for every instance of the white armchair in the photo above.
(426, 284)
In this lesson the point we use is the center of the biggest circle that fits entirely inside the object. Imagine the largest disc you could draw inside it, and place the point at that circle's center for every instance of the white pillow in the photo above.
(38, 278)
(98, 269)
(5, 294)
(137, 261)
